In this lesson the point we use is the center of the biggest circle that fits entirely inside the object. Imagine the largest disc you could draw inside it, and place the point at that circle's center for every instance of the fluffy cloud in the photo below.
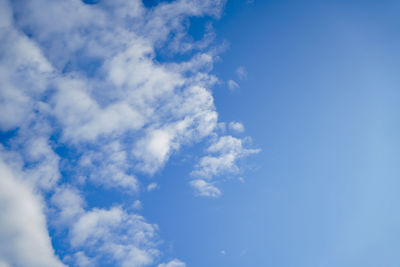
(81, 260)
(23, 73)
(113, 233)
(23, 233)
(205, 189)
(87, 100)
(173, 263)
(109, 166)
(98, 235)
(223, 156)
(195, 119)
(222, 159)
(69, 205)
(236, 126)
(43, 170)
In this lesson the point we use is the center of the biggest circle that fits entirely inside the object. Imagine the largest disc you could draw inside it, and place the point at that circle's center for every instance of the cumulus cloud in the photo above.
(236, 126)
(24, 240)
(222, 158)
(81, 260)
(69, 205)
(204, 188)
(125, 237)
(89, 104)
(173, 263)
(109, 166)
(24, 73)
(44, 163)
(99, 235)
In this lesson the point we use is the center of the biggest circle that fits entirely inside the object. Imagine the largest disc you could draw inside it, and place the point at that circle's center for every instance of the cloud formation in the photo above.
(222, 158)
(85, 102)
(236, 126)
(115, 234)
(173, 263)
(204, 188)
(22, 243)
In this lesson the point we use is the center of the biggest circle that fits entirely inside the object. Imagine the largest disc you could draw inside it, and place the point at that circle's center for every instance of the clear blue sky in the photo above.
(125, 162)
(321, 100)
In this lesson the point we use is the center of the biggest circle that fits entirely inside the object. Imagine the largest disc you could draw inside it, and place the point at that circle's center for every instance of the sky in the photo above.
(194, 133)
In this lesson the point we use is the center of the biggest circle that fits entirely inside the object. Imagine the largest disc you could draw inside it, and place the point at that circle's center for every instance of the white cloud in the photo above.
(84, 119)
(210, 166)
(173, 263)
(154, 149)
(81, 260)
(44, 172)
(125, 237)
(236, 126)
(232, 85)
(23, 242)
(36, 160)
(205, 189)
(137, 205)
(145, 94)
(98, 235)
(168, 17)
(109, 166)
(195, 117)
(24, 73)
(152, 186)
(222, 159)
(69, 205)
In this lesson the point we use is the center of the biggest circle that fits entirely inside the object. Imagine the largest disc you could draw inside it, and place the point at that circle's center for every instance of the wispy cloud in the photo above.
(241, 72)
(222, 158)
(137, 205)
(152, 186)
(232, 85)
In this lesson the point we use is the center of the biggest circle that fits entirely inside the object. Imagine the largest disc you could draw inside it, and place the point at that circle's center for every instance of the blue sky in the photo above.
(199, 133)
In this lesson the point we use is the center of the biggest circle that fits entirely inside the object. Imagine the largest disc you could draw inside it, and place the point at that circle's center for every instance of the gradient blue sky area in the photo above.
(320, 99)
